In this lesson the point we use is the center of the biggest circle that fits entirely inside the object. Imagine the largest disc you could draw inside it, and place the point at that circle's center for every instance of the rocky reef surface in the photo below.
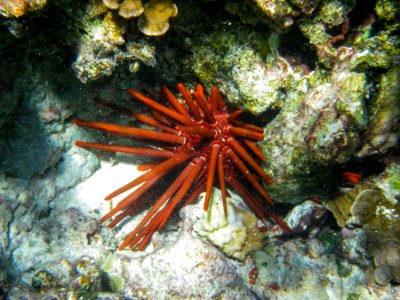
(320, 76)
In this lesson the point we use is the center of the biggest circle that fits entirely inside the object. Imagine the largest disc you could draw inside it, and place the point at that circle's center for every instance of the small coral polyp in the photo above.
(199, 137)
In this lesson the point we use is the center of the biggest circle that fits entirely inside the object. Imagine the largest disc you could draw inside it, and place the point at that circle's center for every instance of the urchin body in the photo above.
(202, 139)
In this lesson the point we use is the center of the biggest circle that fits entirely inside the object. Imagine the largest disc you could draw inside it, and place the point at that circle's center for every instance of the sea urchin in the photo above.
(204, 141)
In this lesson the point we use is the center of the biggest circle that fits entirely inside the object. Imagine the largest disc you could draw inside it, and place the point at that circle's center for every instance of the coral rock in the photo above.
(383, 275)
(236, 234)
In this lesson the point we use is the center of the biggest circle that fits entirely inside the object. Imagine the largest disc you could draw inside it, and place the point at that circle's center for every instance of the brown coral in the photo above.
(367, 206)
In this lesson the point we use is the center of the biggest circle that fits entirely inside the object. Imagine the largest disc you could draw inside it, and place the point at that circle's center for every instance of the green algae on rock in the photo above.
(246, 67)
(383, 129)
(284, 12)
(277, 262)
(104, 45)
(318, 127)
(387, 9)
(328, 16)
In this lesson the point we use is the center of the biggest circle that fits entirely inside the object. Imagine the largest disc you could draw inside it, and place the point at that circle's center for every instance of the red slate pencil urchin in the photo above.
(204, 140)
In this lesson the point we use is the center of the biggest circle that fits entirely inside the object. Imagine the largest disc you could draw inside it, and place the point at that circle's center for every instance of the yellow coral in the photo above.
(131, 8)
(18, 8)
(154, 20)
(111, 4)
(366, 206)
(112, 30)
(127, 9)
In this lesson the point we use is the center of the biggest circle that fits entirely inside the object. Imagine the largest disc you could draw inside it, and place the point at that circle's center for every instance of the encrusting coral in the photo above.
(154, 15)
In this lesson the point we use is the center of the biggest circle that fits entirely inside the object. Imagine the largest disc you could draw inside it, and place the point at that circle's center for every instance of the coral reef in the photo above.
(319, 76)
(154, 15)
(311, 262)
(180, 266)
(105, 45)
(387, 9)
(19, 8)
(100, 50)
(283, 13)
(367, 206)
(127, 8)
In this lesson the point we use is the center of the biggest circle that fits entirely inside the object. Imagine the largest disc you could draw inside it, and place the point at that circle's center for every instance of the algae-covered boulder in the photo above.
(314, 131)
(246, 67)
(383, 130)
